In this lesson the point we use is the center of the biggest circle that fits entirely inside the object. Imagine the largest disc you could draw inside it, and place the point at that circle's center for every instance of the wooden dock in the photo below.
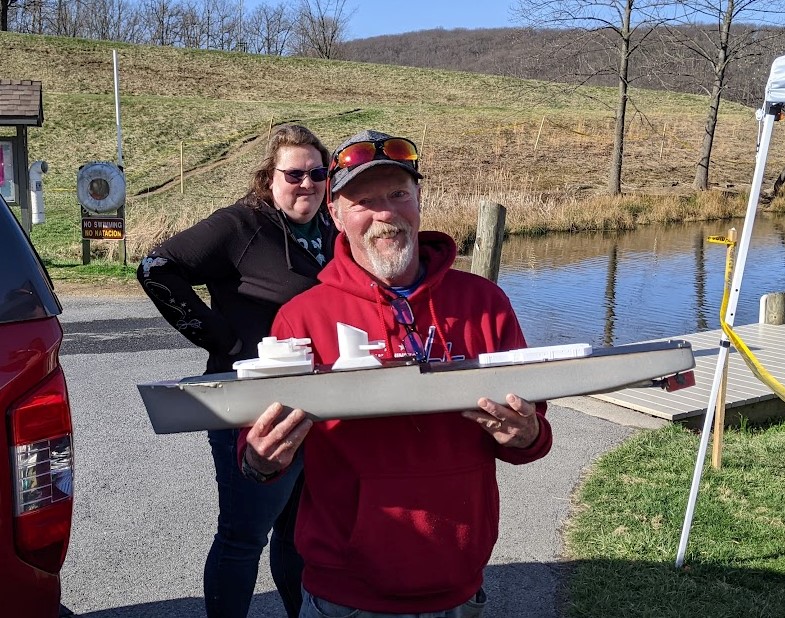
(746, 395)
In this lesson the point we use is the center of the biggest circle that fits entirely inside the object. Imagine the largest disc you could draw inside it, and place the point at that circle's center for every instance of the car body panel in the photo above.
(30, 339)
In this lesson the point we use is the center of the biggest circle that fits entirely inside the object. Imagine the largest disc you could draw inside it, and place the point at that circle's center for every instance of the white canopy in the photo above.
(775, 87)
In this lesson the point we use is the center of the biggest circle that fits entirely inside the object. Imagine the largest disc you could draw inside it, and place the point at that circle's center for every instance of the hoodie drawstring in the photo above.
(379, 304)
(285, 229)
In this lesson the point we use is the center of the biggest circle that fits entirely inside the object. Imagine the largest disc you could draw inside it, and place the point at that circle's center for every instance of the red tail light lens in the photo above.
(43, 473)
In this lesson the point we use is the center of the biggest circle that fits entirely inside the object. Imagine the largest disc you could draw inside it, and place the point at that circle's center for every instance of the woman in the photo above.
(252, 256)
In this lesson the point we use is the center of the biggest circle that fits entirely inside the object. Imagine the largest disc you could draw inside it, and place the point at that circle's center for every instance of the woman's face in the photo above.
(298, 200)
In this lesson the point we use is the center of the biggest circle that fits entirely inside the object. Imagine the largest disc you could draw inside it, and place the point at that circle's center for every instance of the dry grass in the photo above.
(529, 211)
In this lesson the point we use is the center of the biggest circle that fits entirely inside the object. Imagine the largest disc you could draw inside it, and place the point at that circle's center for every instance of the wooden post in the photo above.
(23, 179)
(422, 142)
(537, 141)
(773, 310)
(122, 247)
(719, 416)
(181, 167)
(719, 421)
(662, 144)
(85, 252)
(270, 128)
(487, 253)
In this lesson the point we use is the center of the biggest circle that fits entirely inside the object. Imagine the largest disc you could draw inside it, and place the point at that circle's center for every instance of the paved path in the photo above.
(145, 505)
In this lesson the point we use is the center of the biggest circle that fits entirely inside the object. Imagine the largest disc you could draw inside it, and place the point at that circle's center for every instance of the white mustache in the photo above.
(381, 229)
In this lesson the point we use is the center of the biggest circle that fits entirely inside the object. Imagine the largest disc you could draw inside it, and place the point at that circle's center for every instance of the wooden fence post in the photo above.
(773, 308)
(718, 437)
(487, 253)
(537, 141)
(182, 182)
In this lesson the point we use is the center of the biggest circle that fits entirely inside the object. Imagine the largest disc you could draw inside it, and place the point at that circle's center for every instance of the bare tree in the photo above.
(221, 22)
(25, 16)
(268, 29)
(193, 32)
(725, 32)
(321, 27)
(163, 21)
(621, 27)
(5, 7)
(100, 15)
(114, 20)
(128, 22)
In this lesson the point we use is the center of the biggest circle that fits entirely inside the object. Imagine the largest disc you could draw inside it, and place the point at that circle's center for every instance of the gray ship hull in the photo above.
(221, 401)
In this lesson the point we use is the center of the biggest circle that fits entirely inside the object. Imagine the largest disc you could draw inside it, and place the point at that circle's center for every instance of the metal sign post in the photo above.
(100, 189)
(771, 112)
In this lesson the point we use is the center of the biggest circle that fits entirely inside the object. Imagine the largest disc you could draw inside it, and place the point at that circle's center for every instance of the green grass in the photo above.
(629, 512)
(97, 274)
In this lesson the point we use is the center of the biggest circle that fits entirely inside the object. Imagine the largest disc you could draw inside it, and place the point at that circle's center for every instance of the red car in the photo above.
(36, 448)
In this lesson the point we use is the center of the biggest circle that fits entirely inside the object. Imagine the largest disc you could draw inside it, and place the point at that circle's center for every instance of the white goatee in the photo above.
(392, 263)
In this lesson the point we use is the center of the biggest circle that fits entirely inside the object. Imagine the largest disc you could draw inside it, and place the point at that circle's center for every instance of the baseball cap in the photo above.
(383, 156)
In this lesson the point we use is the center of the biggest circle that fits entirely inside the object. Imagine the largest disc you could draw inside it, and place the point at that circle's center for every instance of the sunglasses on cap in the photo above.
(392, 148)
(398, 149)
(295, 177)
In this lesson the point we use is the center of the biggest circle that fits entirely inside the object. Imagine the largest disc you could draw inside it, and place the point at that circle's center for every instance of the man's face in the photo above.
(379, 211)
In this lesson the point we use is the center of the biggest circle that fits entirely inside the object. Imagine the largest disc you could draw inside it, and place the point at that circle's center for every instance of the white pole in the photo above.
(121, 210)
(730, 315)
(117, 109)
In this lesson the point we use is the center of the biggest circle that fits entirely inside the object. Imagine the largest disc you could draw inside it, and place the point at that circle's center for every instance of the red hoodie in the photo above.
(400, 514)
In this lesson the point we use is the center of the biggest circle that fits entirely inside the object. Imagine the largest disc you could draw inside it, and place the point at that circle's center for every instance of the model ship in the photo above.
(358, 385)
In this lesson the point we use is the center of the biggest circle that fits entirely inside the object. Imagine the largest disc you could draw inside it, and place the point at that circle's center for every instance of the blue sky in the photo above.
(375, 17)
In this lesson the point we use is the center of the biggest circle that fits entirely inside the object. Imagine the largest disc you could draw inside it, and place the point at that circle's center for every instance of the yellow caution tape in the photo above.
(757, 369)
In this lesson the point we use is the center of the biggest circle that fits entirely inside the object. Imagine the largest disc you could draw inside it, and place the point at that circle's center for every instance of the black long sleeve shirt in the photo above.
(250, 263)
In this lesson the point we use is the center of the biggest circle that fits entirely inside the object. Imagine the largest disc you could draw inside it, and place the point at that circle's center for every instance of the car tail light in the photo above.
(40, 427)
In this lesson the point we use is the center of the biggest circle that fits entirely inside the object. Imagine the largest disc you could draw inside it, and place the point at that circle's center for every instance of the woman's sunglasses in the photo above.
(295, 177)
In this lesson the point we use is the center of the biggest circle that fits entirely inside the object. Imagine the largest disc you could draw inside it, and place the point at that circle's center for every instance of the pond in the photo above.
(654, 282)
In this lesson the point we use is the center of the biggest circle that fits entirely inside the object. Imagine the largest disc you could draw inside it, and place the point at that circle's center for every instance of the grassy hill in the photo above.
(517, 142)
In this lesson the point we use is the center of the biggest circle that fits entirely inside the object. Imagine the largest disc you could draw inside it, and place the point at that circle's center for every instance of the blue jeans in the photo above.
(314, 607)
(247, 511)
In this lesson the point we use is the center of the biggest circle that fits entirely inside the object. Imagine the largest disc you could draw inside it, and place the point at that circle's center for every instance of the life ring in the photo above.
(100, 187)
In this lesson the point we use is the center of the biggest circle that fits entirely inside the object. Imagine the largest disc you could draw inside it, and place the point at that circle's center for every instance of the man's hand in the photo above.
(275, 437)
(514, 424)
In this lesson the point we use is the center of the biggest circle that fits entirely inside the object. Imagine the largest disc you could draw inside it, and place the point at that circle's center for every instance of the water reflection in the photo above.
(702, 322)
(610, 294)
(616, 288)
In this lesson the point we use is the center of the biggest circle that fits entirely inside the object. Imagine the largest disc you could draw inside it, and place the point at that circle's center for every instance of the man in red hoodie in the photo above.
(399, 515)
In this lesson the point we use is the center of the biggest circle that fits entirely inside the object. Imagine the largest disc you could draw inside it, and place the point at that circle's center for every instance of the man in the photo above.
(398, 515)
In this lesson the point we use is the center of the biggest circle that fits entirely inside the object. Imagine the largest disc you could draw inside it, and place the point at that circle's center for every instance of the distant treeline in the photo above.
(301, 27)
(570, 56)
